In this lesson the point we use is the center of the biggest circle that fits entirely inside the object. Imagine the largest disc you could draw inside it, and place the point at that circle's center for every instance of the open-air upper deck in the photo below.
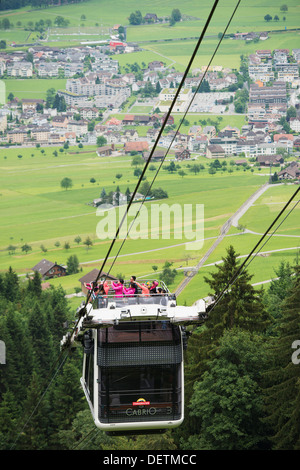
(161, 306)
(110, 309)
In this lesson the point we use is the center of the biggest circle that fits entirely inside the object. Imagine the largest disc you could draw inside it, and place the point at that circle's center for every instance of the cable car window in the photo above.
(146, 331)
(140, 394)
(89, 374)
(142, 378)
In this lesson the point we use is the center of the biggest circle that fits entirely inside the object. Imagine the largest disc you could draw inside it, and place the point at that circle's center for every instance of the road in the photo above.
(232, 221)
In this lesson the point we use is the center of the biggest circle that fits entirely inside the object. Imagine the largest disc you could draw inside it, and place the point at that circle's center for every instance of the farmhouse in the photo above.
(105, 150)
(49, 269)
(135, 146)
(92, 276)
(267, 160)
(135, 119)
(183, 154)
(291, 172)
(158, 155)
(150, 18)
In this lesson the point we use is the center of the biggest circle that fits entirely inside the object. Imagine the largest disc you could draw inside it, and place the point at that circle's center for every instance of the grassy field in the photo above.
(249, 16)
(33, 88)
(31, 186)
(36, 210)
(103, 14)
(228, 54)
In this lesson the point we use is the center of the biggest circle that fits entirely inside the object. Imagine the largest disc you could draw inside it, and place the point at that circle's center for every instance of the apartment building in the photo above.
(40, 134)
(19, 69)
(3, 123)
(268, 94)
(262, 71)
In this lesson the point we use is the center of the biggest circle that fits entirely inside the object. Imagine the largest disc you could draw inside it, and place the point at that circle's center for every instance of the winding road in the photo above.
(232, 221)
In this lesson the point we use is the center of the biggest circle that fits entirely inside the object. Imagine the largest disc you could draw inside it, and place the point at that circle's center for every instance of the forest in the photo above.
(242, 370)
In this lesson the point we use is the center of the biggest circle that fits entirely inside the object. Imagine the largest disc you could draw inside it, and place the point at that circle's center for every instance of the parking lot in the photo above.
(206, 102)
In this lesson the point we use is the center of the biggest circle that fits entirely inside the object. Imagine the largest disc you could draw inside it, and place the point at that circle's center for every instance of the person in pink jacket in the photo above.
(118, 288)
(129, 292)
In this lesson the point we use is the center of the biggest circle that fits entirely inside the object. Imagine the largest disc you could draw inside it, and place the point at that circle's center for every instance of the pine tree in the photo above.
(39, 330)
(282, 389)
(278, 290)
(9, 416)
(67, 396)
(35, 285)
(18, 368)
(11, 285)
(34, 421)
(228, 401)
(240, 307)
(57, 313)
(82, 426)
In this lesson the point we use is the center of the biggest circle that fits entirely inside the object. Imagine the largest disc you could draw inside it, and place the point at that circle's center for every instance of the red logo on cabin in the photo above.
(140, 401)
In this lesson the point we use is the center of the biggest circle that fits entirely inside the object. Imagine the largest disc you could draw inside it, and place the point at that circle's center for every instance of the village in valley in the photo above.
(94, 109)
(113, 104)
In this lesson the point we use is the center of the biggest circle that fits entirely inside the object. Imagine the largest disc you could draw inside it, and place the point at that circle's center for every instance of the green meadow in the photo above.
(104, 12)
(228, 54)
(36, 210)
(32, 88)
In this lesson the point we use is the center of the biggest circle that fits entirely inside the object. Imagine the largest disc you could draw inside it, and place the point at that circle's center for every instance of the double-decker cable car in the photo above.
(133, 371)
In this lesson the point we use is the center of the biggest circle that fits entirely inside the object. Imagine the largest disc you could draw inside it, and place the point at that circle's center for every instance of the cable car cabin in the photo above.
(133, 360)
(133, 376)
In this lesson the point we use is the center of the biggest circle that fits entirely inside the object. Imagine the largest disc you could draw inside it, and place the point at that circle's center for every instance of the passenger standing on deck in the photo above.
(118, 288)
(102, 295)
(103, 288)
(134, 285)
(94, 288)
(129, 292)
(145, 290)
(153, 288)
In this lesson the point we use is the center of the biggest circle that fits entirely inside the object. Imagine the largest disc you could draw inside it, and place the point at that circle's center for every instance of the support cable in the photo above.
(82, 312)
(172, 141)
(244, 264)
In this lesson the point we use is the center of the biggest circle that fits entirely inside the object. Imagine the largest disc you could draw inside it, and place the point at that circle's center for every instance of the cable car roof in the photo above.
(151, 308)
